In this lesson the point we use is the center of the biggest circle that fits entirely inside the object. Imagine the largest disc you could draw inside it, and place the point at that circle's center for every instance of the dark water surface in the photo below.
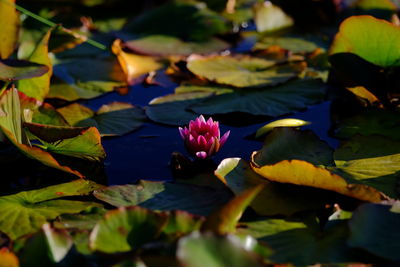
(145, 153)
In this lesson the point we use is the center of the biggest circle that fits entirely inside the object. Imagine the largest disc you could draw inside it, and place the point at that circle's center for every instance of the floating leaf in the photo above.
(58, 241)
(373, 227)
(8, 259)
(75, 142)
(183, 20)
(294, 166)
(39, 87)
(280, 123)
(276, 101)
(86, 78)
(269, 17)
(376, 4)
(371, 122)
(125, 229)
(134, 65)
(241, 71)
(182, 222)
(9, 19)
(13, 70)
(373, 160)
(116, 118)
(26, 212)
(197, 250)
(164, 196)
(363, 93)
(295, 44)
(224, 220)
(275, 198)
(375, 40)
(162, 45)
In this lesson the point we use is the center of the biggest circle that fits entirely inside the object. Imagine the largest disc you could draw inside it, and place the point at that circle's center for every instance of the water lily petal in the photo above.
(224, 138)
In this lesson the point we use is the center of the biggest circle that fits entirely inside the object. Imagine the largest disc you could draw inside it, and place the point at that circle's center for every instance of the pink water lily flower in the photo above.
(202, 138)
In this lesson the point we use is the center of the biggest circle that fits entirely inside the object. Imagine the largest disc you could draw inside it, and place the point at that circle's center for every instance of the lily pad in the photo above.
(375, 40)
(165, 196)
(276, 101)
(86, 78)
(13, 70)
(373, 227)
(125, 229)
(280, 123)
(58, 241)
(9, 18)
(241, 71)
(116, 118)
(25, 212)
(197, 250)
(372, 160)
(163, 45)
(183, 20)
(275, 198)
(39, 87)
(295, 44)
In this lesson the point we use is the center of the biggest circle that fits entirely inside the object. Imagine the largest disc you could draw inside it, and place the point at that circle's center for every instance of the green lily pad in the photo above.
(275, 198)
(306, 167)
(39, 87)
(241, 71)
(295, 44)
(373, 227)
(371, 160)
(13, 70)
(25, 212)
(181, 222)
(197, 250)
(302, 244)
(371, 122)
(9, 18)
(183, 20)
(86, 78)
(116, 118)
(280, 123)
(276, 101)
(58, 241)
(125, 229)
(375, 40)
(174, 109)
(164, 196)
(75, 142)
(163, 45)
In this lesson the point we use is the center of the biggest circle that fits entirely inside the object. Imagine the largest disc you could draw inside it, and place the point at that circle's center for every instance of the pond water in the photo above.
(146, 153)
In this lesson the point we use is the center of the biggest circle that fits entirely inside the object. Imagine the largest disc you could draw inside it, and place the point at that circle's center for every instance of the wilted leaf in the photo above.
(13, 70)
(8, 259)
(9, 19)
(197, 250)
(363, 93)
(224, 219)
(373, 227)
(116, 118)
(126, 229)
(39, 87)
(241, 71)
(133, 65)
(375, 40)
(164, 196)
(26, 212)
